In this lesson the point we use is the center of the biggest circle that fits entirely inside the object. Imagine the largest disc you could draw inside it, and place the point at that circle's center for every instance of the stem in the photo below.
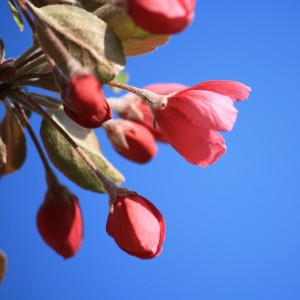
(32, 64)
(25, 55)
(37, 75)
(108, 184)
(19, 64)
(73, 64)
(25, 13)
(153, 100)
(50, 176)
(126, 87)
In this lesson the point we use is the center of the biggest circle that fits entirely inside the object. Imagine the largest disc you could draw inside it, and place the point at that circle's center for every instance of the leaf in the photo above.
(12, 134)
(16, 14)
(135, 40)
(3, 265)
(68, 161)
(88, 39)
(2, 51)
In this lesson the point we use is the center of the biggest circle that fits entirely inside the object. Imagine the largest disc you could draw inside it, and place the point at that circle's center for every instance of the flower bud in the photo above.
(59, 221)
(85, 103)
(162, 17)
(137, 226)
(132, 140)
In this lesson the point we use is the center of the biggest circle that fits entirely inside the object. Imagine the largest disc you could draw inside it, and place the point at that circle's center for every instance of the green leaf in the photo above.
(88, 39)
(135, 40)
(68, 161)
(16, 14)
(3, 265)
(2, 51)
(12, 134)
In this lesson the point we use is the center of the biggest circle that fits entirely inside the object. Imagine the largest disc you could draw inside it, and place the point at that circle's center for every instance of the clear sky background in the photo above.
(233, 228)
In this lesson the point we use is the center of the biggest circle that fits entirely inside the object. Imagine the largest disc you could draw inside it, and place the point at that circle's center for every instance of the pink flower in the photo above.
(136, 226)
(132, 140)
(85, 103)
(144, 110)
(59, 221)
(192, 118)
(162, 17)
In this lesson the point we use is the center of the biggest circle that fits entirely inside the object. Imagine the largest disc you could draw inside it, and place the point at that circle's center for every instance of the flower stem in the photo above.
(35, 75)
(31, 65)
(22, 59)
(50, 176)
(72, 63)
(108, 184)
(22, 62)
(155, 101)
(25, 13)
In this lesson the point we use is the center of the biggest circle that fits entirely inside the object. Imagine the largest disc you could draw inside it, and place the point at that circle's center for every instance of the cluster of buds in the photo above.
(134, 222)
(189, 119)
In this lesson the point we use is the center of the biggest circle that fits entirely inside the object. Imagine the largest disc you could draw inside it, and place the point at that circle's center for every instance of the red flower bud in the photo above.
(137, 226)
(85, 103)
(162, 17)
(59, 221)
(132, 140)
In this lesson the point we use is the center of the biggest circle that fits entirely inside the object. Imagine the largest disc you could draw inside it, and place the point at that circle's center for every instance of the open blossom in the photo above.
(137, 226)
(132, 140)
(59, 221)
(147, 118)
(162, 17)
(192, 117)
(85, 103)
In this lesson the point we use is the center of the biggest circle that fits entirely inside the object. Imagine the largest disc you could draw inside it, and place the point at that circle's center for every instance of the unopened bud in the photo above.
(137, 226)
(59, 221)
(85, 103)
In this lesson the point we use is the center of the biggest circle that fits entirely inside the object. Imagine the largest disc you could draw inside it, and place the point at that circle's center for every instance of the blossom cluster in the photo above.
(189, 119)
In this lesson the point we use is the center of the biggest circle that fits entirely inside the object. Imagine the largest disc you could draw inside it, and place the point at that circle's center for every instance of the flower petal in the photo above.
(165, 88)
(235, 90)
(197, 144)
(205, 109)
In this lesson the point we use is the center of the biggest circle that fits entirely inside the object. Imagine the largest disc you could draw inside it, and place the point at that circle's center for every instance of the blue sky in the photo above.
(233, 228)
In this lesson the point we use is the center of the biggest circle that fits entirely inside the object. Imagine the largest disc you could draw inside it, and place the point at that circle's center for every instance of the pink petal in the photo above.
(205, 109)
(233, 89)
(198, 145)
(165, 88)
